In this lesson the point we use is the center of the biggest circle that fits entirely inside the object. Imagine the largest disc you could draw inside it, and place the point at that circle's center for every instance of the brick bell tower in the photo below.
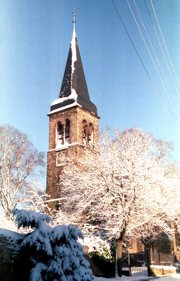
(73, 120)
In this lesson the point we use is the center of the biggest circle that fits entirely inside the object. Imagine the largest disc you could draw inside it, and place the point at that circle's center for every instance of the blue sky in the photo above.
(34, 42)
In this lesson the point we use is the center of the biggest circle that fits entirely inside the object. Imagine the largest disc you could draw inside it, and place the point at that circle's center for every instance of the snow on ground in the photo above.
(140, 274)
(124, 278)
(137, 278)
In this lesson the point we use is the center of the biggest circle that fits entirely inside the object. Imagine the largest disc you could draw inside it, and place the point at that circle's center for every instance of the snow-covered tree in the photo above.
(164, 215)
(55, 253)
(20, 166)
(118, 186)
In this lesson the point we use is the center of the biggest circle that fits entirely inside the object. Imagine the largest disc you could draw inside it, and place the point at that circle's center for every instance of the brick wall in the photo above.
(76, 115)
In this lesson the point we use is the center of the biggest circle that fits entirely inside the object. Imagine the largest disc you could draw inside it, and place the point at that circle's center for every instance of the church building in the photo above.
(73, 125)
(73, 120)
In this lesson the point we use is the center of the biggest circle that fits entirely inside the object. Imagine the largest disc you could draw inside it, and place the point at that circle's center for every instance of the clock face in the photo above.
(61, 157)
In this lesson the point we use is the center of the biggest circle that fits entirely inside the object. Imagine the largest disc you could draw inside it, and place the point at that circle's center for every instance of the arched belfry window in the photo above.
(62, 133)
(84, 132)
(88, 133)
(67, 131)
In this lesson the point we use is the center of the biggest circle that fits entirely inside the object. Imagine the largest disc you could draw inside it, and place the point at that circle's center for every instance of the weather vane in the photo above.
(74, 18)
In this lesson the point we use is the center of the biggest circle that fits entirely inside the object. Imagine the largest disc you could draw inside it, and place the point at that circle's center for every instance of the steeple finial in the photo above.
(74, 19)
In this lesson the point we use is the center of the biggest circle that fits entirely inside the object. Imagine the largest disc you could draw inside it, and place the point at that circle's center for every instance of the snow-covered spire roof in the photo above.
(74, 89)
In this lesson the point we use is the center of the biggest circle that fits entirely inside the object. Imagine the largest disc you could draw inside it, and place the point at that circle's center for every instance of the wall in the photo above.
(10, 269)
(76, 115)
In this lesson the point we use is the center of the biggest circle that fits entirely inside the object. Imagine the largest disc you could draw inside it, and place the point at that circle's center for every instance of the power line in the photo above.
(138, 55)
(148, 37)
(129, 36)
(166, 48)
(169, 66)
(152, 59)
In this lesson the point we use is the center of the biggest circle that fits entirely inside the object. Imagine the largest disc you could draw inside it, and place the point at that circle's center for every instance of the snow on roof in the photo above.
(73, 49)
(64, 107)
(73, 96)
(74, 86)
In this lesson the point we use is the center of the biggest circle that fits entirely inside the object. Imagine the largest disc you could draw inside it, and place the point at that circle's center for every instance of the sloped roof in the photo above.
(74, 89)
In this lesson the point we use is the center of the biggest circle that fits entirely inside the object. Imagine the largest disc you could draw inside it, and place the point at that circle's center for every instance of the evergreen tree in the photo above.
(55, 253)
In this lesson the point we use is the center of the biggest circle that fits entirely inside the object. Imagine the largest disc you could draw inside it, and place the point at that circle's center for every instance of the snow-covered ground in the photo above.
(132, 278)
(140, 274)
(136, 278)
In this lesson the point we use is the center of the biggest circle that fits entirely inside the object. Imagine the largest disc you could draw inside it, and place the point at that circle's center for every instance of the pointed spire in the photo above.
(74, 89)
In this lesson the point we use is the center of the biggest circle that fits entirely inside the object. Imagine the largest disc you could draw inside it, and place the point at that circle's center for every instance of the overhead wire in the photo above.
(166, 48)
(129, 36)
(139, 58)
(157, 37)
(148, 37)
(170, 99)
(163, 46)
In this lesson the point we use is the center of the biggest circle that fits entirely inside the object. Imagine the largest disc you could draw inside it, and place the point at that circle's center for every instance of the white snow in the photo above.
(72, 96)
(73, 49)
(134, 278)
(161, 266)
(97, 244)
(64, 107)
(11, 235)
(36, 272)
(126, 278)
(65, 256)
(58, 246)
(26, 218)
(7, 223)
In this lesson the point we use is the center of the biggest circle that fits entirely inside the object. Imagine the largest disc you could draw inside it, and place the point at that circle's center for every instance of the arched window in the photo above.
(90, 134)
(60, 134)
(67, 131)
(84, 132)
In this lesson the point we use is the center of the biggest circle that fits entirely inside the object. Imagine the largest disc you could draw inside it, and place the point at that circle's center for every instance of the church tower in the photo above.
(73, 121)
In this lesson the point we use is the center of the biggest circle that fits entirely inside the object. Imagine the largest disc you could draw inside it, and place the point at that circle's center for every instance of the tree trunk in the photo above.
(148, 258)
(148, 243)
(118, 260)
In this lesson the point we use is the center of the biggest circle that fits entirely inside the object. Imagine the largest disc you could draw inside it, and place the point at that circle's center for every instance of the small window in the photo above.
(84, 132)
(88, 133)
(67, 131)
(60, 133)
